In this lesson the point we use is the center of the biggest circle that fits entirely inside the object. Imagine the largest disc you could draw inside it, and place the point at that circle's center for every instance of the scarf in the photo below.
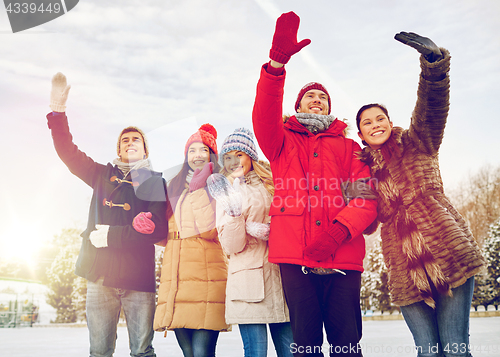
(315, 123)
(126, 167)
(189, 176)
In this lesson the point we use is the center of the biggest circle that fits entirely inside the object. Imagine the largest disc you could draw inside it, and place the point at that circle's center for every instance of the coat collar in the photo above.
(368, 154)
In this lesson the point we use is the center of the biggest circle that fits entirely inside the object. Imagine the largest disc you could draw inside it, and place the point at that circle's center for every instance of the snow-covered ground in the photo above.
(380, 339)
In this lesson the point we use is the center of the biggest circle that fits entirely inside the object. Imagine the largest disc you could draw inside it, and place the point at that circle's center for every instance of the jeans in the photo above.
(330, 301)
(254, 338)
(197, 343)
(103, 311)
(443, 331)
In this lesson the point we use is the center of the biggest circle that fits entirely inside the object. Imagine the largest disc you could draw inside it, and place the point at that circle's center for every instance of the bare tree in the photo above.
(478, 200)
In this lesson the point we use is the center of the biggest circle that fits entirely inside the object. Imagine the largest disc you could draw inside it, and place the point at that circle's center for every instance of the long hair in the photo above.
(178, 183)
(262, 169)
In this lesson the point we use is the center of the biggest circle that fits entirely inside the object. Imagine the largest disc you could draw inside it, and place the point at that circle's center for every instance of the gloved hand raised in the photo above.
(227, 195)
(326, 243)
(199, 179)
(285, 38)
(59, 93)
(424, 45)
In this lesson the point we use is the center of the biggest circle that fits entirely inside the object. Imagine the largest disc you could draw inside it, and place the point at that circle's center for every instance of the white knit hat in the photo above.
(240, 140)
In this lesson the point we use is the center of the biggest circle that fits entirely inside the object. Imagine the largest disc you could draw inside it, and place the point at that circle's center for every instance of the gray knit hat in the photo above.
(240, 140)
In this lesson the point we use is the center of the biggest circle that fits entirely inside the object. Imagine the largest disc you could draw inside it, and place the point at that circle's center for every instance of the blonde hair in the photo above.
(262, 169)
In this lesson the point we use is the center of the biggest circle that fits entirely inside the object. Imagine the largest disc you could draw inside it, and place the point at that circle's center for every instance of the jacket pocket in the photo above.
(248, 285)
(287, 235)
(288, 203)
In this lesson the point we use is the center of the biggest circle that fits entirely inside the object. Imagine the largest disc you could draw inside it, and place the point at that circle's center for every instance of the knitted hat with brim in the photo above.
(130, 129)
(207, 135)
(308, 87)
(240, 140)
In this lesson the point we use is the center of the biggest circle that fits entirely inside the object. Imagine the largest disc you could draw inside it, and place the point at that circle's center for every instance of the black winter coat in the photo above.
(128, 261)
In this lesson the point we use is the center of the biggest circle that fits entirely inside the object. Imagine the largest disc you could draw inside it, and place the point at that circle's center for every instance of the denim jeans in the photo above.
(254, 338)
(197, 343)
(103, 311)
(443, 331)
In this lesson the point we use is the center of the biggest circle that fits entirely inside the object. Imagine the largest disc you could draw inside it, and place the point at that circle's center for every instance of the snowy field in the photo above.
(380, 339)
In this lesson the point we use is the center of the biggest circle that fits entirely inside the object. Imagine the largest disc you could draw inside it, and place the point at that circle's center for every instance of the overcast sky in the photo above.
(170, 66)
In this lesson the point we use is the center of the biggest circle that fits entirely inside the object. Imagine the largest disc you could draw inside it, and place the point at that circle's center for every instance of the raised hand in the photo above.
(285, 38)
(199, 179)
(227, 195)
(424, 45)
(59, 93)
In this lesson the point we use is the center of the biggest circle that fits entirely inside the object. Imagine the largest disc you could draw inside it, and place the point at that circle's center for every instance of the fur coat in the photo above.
(425, 241)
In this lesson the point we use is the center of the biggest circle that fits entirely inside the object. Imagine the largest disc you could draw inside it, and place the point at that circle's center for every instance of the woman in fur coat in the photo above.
(428, 248)
(254, 293)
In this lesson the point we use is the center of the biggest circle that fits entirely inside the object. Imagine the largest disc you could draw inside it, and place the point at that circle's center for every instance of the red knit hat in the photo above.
(308, 87)
(207, 135)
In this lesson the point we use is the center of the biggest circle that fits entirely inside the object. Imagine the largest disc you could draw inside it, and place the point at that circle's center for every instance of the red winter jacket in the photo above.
(308, 171)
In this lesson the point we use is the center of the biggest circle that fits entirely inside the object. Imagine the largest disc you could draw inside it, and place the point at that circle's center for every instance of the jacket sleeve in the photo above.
(433, 101)
(77, 162)
(267, 113)
(232, 231)
(126, 236)
(360, 212)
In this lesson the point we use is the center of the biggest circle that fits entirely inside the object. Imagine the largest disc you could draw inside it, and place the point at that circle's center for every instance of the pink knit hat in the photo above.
(308, 87)
(207, 135)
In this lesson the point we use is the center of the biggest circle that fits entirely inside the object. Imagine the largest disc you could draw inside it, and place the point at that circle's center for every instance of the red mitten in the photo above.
(285, 38)
(199, 179)
(143, 224)
(327, 243)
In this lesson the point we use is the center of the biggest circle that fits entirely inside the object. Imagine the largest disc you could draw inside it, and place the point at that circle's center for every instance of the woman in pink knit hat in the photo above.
(191, 296)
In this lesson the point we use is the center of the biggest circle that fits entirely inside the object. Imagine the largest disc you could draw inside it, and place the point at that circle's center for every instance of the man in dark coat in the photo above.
(117, 261)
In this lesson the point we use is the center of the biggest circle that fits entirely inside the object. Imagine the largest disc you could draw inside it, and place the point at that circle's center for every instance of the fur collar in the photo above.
(374, 157)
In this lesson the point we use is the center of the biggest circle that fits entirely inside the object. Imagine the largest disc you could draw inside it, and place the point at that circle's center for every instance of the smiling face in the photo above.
(314, 101)
(374, 127)
(198, 155)
(237, 163)
(132, 147)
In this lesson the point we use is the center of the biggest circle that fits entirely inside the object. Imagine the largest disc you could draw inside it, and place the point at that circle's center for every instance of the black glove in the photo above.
(424, 45)
(358, 189)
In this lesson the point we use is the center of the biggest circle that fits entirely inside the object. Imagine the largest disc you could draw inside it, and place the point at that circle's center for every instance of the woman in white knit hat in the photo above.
(254, 294)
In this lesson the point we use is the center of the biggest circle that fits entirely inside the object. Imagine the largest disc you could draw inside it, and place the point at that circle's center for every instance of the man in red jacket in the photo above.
(322, 204)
